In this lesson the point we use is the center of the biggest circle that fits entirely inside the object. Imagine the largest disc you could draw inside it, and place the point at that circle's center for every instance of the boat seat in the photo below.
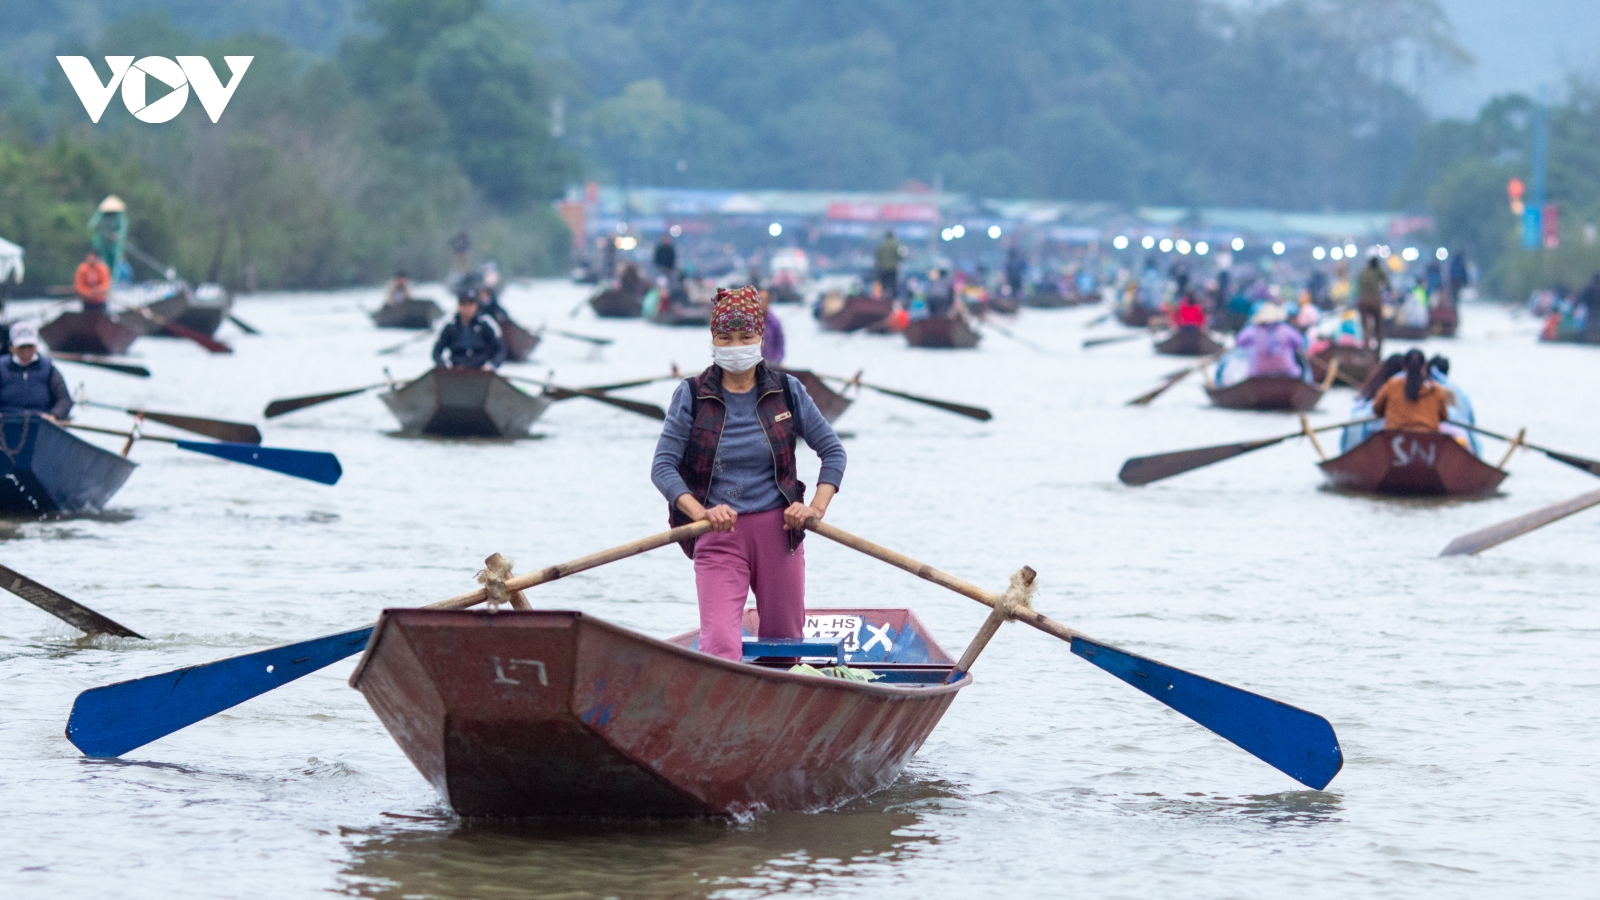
(791, 648)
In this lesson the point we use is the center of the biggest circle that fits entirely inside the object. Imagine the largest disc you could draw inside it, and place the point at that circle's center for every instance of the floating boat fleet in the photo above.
(519, 712)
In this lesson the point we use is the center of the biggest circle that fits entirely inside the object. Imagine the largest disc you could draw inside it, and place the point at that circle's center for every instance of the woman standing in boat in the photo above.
(727, 456)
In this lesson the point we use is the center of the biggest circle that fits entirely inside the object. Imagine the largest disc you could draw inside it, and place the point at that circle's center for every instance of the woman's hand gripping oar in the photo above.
(1298, 743)
(114, 719)
(1142, 470)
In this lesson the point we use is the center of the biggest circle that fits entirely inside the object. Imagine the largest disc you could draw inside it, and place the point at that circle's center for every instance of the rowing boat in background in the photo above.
(464, 403)
(519, 341)
(830, 403)
(415, 313)
(44, 470)
(560, 714)
(859, 311)
(91, 331)
(1412, 463)
(1267, 393)
(950, 332)
(1190, 341)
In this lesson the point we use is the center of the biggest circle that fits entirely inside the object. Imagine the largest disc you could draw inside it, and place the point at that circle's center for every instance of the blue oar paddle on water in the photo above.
(312, 465)
(117, 718)
(1297, 743)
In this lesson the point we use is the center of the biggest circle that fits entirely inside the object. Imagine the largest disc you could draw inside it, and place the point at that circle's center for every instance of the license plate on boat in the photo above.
(834, 628)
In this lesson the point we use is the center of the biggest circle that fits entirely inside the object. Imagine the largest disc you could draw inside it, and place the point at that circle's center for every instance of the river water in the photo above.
(1464, 691)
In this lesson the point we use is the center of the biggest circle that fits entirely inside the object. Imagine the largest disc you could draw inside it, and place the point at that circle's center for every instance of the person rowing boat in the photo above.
(470, 340)
(29, 383)
(727, 455)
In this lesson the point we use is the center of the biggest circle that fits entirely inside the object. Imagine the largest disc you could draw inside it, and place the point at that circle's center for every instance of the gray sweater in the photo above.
(742, 477)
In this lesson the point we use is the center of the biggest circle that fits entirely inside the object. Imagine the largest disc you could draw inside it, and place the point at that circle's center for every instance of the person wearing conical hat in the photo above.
(30, 384)
(1274, 346)
(727, 456)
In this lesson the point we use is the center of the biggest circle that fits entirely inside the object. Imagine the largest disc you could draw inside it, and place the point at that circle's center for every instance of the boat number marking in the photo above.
(834, 628)
(880, 634)
(500, 676)
(1406, 455)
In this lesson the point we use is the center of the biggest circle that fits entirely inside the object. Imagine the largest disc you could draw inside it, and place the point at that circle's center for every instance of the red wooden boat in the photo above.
(1189, 341)
(859, 311)
(93, 332)
(1267, 392)
(1356, 364)
(560, 714)
(941, 331)
(1412, 463)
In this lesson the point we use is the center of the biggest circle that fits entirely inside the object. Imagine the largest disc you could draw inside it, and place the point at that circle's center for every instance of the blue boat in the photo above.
(44, 470)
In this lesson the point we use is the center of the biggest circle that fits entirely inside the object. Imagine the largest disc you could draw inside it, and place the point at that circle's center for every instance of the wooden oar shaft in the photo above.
(1484, 538)
(98, 430)
(552, 573)
(943, 579)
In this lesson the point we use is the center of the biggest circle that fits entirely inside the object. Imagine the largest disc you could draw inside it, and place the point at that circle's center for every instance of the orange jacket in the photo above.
(1431, 407)
(92, 281)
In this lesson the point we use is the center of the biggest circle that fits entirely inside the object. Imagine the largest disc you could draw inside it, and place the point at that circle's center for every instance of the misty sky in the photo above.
(1519, 44)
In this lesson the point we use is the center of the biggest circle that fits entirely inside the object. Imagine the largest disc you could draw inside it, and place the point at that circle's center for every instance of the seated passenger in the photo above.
(1412, 401)
(1189, 314)
(1273, 343)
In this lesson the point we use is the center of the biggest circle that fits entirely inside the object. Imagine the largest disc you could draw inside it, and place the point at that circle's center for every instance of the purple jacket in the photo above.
(772, 343)
(1272, 348)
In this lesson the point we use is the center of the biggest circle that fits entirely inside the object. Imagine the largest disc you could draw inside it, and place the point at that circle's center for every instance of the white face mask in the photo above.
(737, 359)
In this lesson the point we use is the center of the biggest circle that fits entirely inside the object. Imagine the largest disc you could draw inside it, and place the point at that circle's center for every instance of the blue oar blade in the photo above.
(116, 718)
(1297, 743)
(312, 465)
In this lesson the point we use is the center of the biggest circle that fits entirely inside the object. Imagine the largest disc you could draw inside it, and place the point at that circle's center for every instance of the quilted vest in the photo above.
(774, 408)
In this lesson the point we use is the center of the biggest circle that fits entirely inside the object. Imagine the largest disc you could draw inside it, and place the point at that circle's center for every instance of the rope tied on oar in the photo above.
(493, 576)
(1018, 597)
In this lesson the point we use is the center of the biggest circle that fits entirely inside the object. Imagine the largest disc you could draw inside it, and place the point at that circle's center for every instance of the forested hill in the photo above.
(1175, 101)
(1171, 101)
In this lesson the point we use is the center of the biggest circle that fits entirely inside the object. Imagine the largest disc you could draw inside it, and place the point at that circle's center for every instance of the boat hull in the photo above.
(415, 314)
(1356, 364)
(1412, 464)
(858, 312)
(45, 470)
(941, 331)
(199, 309)
(616, 303)
(464, 403)
(519, 341)
(1189, 342)
(830, 403)
(95, 333)
(1267, 393)
(559, 714)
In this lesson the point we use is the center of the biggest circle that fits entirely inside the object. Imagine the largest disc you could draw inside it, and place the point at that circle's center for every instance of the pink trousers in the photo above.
(728, 565)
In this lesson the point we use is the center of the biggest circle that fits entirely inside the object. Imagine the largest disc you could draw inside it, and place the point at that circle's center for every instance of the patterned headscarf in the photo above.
(738, 309)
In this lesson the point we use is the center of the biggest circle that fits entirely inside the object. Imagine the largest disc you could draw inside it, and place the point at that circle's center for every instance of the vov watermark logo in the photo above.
(133, 78)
